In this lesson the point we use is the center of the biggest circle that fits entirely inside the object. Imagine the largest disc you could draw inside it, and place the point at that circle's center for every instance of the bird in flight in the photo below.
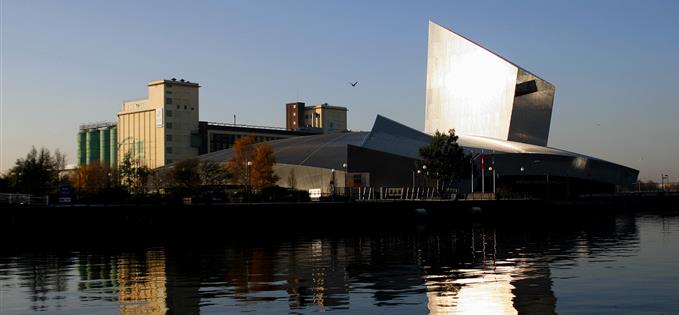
(353, 83)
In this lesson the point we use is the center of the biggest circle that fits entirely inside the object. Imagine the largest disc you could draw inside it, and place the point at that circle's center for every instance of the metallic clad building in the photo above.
(385, 157)
(479, 93)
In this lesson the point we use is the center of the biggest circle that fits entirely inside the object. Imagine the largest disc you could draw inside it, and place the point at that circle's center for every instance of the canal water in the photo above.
(609, 264)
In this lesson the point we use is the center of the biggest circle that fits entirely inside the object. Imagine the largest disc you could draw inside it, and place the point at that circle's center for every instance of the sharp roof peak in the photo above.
(486, 49)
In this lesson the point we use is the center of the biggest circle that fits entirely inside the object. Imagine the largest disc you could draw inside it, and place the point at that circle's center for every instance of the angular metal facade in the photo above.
(477, 92)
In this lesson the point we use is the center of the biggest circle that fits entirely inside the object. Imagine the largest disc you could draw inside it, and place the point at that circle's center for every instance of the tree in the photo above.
(93, 179)
(261, 171)
(444, 158)
(38, 173)
(185, 177)
(242, 154)
(213, 173)
(292, 179)
(133, 175)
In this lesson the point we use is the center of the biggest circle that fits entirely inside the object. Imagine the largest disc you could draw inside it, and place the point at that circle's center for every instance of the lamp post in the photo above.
(344, 166)
(418, 173)
(247, 172)
(663, 177)
(483, 176)
(424, 170)
(413, 172)
(491, 169)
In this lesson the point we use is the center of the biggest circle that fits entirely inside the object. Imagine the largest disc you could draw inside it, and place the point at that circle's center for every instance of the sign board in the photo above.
(64, 190)
(159, 118)
(315, 194)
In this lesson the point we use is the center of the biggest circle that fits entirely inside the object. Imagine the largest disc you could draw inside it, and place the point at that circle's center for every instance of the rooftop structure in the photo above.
(320, 118)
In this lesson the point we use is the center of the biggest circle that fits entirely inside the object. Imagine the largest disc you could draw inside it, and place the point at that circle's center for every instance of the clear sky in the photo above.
(615, 64)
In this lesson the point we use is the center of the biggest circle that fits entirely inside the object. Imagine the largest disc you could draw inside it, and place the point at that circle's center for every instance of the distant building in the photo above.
(321, 118)
(294, 116)
(97, 143)
(219, 136)
(163, 127)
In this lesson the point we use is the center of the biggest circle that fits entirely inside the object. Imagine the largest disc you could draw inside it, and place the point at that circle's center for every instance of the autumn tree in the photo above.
(243, 150)
(93, 179)
(261, 172)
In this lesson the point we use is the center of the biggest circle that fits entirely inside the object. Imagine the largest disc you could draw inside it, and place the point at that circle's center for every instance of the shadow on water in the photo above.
(458, 266)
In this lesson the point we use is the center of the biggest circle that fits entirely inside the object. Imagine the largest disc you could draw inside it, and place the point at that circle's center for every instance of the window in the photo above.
(168, 100)
(168, 161)
(168, 150)
(168, 125)
(168, 113)
(177, 106)
(168, 92)
(168, 137)
(294, 122)
(185, 107)
(191, 108)
(294, 114)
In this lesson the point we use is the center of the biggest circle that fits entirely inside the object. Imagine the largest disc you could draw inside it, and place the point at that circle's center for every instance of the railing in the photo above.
(395, 193)
(23, 199)
(210, 123)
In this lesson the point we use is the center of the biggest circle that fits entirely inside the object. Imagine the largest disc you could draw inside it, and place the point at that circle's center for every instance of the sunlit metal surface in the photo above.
(532, 110)
(477, 92)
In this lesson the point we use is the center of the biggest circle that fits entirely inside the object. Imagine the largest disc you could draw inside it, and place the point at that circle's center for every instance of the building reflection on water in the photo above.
(142, 284)
(468, 269)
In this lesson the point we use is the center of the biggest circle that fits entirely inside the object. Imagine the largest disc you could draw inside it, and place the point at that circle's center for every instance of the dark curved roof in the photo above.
(330, 151)
(326, 151)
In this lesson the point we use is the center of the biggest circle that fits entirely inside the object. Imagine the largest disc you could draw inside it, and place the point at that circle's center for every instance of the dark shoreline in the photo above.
(315, 215)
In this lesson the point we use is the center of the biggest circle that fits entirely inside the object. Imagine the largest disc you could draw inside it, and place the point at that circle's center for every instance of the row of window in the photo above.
(225, 141)
(168, 101)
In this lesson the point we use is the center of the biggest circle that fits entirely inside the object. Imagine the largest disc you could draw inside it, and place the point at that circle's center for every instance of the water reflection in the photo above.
(472, 268)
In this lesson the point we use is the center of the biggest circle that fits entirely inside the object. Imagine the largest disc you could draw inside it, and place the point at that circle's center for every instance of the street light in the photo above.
(663, 177)
(418, 173)
(344, 166)
(491, 169)
(424, 170)
(247, 171)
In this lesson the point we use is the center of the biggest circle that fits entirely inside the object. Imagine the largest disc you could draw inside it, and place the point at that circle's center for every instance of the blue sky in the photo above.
(614, 64)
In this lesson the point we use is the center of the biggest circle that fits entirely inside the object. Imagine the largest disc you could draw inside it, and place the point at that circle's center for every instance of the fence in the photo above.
(23, 199)
(396, 193)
